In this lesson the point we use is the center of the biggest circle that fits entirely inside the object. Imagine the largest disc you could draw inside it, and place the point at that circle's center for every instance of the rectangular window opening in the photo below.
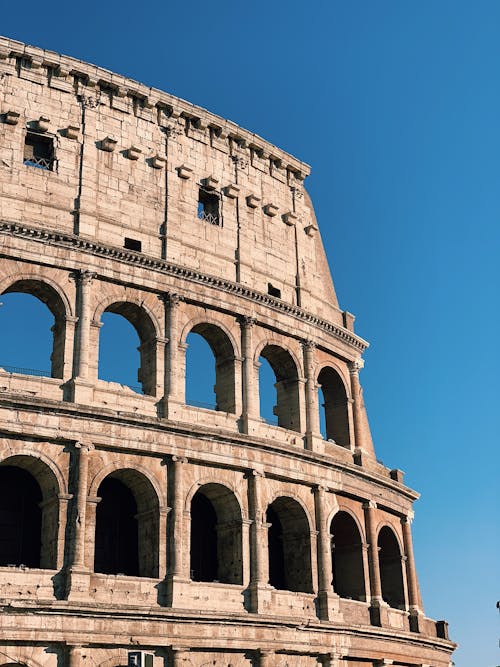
(273, 291)
(39, 151)
(208, 207)
(132, 244)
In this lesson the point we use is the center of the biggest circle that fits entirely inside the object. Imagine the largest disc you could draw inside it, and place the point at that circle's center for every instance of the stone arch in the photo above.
(335, 407)
(288, 373)
(54, 298)
(147, 327)
(289, 545)
(29, 498)
(341, 507)
(347, 556)
(391, 567)
(110, 468)
(127, 524)
(216, 552)
(224, 349)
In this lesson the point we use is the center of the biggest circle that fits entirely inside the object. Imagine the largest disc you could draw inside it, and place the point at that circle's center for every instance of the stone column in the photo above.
(64, 499)
(179, 656)
(80, 383)
(411, 575)
(177, 538)
(250, 403)
(172, 380)
(326, 596)
(376, 600)
(314, 439)
(259, 557)
(75, 657)
(267, 659)
(78, 575)
(363, 445)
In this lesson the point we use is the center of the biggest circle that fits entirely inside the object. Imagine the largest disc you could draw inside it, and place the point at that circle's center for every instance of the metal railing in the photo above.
(40, 163)
(200, 404)
(211, 218)
(25, 371)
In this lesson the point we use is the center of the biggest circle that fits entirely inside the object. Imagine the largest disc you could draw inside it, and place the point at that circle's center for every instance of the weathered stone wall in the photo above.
(129, 164)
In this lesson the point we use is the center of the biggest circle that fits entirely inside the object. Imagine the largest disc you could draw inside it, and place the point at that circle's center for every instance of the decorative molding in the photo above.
(175, 270)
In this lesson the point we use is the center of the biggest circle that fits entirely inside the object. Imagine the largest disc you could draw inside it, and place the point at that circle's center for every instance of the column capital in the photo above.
(84, 446)
(179, 459)
(369, 505)
(171, 299)
(321, 488)
(408, 519)
(308, 344)
(247, 321)
(356, 365)
(83, 276)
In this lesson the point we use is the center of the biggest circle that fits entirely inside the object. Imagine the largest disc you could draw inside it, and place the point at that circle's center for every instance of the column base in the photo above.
(77, 390)
(329, 606)
(378, 614)
(259, 598)
(77, 584)
(173, 587)
(414, 618)
(315, 442)
(250, 425)
(169, 408)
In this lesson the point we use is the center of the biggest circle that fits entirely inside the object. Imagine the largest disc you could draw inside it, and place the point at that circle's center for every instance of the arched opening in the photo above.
(29, 513)
(286, 387)
(347, 558)
(216, 538)
(391, 569)
(127, 526)
(127, 347)
(210, 379)
(32, 318)
(289, 546)
(332, 397)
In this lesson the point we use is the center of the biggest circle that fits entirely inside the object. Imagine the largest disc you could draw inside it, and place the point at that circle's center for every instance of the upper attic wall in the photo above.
(130, 164)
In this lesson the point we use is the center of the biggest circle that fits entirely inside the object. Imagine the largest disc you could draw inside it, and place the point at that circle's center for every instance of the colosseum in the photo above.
(136, 527)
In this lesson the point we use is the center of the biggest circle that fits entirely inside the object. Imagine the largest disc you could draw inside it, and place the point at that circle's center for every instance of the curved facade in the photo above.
(131, 519)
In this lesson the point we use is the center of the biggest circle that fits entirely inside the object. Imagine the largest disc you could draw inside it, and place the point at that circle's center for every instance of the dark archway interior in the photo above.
(391, 569)
(347, 558)
(204, 560)
(216, 536)
(276, 553)
(333, 408)
(289, 546)
(116, 539)
(20, 518)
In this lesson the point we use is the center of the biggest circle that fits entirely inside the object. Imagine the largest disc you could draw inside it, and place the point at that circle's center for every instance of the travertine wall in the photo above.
(129, 163)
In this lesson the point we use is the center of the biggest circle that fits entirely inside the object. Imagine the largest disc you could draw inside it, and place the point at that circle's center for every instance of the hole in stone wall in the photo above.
(132, 244)
(39, 151)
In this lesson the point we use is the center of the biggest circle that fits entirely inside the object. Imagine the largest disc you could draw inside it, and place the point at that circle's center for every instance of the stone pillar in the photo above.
(266, 659)
(177, 538)
(172, 376)
(376, 600)
(411, 575)
(259, 557)
(314, 439)
(64, 499)
(179, 657)
(75, 657)
(363, 445)
(250, 407)
(78, 574)
(327, 599)
(80, 383)
(69, 346)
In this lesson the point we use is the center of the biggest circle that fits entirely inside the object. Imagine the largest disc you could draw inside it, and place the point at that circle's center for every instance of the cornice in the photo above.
(72, 242)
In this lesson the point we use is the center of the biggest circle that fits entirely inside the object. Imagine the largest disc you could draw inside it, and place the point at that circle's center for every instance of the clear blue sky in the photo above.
(396, 105)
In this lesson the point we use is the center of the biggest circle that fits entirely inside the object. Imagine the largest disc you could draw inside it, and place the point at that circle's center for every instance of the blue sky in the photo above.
(396, 105)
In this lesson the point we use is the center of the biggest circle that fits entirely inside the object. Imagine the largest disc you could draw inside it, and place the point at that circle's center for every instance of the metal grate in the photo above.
(208, 217)
(40, 163)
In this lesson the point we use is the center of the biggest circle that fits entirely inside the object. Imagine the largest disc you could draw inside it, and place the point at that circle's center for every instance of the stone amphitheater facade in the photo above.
(242, 542)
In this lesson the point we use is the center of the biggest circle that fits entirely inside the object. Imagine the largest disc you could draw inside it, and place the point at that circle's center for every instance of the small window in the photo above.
(132, 244)
(273, 291)
(208, 207)
(39, 151)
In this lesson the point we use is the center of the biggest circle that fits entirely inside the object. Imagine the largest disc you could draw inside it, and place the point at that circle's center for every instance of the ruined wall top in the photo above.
(125, 166)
